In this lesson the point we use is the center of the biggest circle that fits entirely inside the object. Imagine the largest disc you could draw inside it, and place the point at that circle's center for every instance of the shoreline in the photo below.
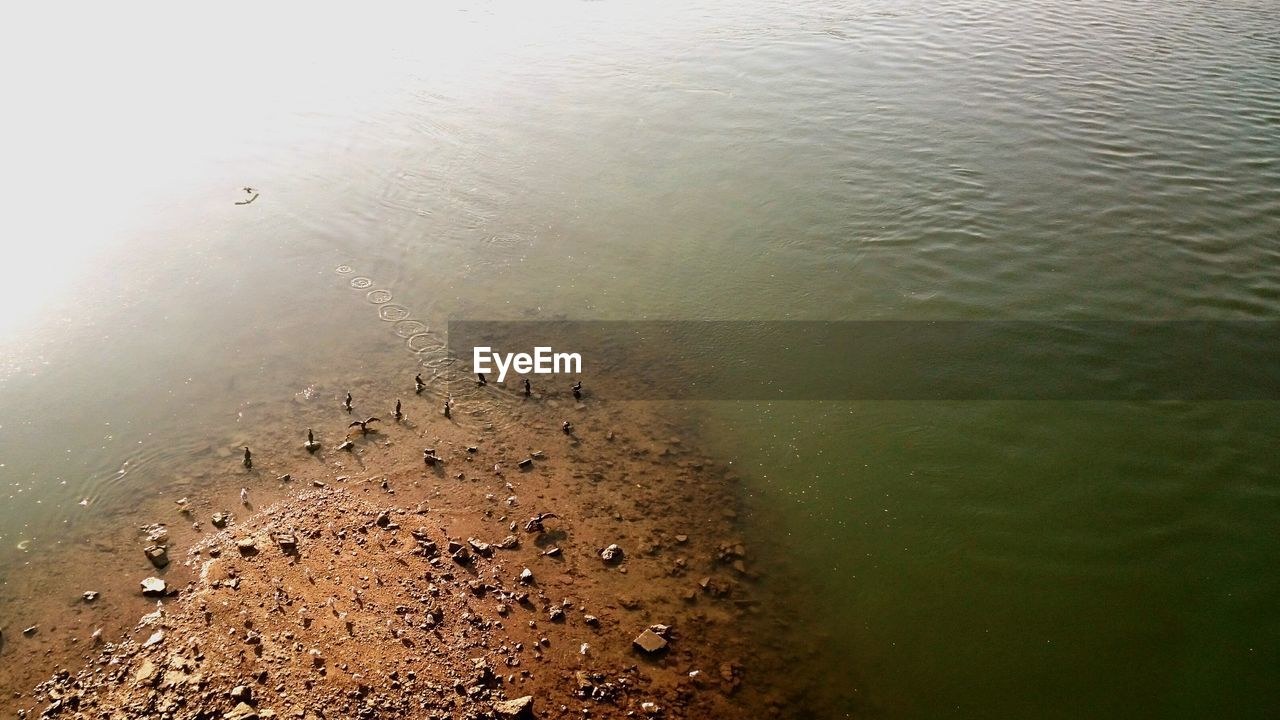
(686, 577)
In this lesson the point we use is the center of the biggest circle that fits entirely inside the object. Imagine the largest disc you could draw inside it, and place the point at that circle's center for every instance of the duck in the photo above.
(567, 427)
(347, 403)
(418, 385)
(397, 414)
(528, 389)
(311, 445)
(447, 403)
(577, 390)
(480, 379)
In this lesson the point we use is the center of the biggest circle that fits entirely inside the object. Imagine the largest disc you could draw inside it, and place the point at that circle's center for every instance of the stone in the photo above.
(525, 464)
(483, 549)
(346, 445)
(153, 586)
(156, 638)
(157, 554)
(526, 576)
(555, 613)
(591, 620)
(247, 546)
(682, 539)
(611, 554)
(146, 673)
(650, 642)
(242, 693)
(510, 542)
(521, 707)
(220, 519)
(383, 520)
(241, 711)
(31, 630)
(287, 541)
(90, 595)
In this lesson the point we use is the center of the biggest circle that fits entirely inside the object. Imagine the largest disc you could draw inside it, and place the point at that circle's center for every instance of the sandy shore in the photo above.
(376, 585)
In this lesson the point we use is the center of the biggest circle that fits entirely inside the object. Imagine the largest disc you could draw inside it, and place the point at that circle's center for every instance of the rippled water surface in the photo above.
(963, 159)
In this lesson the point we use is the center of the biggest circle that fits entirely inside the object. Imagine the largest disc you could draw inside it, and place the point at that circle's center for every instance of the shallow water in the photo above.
(858, 160)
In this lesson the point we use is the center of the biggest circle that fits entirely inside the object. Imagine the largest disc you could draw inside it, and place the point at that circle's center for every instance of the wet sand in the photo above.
(353, 602)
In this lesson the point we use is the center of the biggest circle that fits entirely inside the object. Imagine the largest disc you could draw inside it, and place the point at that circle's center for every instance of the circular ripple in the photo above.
(361, 283)
(393, 312)
(378, 297)
(440, 362)
(424, 342)
(409, 328)
(342, 269)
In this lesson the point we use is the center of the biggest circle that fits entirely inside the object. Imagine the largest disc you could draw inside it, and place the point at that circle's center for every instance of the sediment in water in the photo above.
(348, 596)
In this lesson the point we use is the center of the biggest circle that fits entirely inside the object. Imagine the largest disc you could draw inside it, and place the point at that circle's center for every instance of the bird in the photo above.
(418, 385)
(311, 445)
(398, 415)
(248, 457)
(347, 403)
(480, 379)
(363, 424)
(244, 496)
(535, 522)
(577, 390)
(567, 427)
(528, 389)
(447, 403)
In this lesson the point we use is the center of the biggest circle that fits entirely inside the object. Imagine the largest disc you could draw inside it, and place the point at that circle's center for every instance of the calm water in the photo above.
(846, 160)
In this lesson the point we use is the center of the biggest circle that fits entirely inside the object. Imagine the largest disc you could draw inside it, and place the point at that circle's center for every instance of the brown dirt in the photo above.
(365, 620)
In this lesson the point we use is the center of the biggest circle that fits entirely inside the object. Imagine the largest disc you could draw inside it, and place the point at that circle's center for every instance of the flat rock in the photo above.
(241, 711)
(153, 586)
(521, 707)
(650, 642)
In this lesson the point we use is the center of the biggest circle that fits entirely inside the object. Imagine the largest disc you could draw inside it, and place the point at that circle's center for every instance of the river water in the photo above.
(957, 160)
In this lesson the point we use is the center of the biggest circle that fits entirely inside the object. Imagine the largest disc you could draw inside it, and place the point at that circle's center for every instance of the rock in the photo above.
(510, 542)
(242, 693)
(146, 673)
(31, 630)
(90, 595)
(157, 535)
(153, 586)
(220, 519)
(650, 642)
(346, 445)
(591, 620)
(247, 546)
(650, 708)
(526, 576)
(521, 707)
(157, 554)
(682, 539)
(555, 613)
(285, 478)
(287, 541)
(611, 554)
(241, 712)
(483, 549)
(383, 520)
(551, 552)
(156, 638)
(525, 464)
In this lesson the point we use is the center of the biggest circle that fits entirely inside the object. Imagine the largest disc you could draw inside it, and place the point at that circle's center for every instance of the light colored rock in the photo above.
(518, 708)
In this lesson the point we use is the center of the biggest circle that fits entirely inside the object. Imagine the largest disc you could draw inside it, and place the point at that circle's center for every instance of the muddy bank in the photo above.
(375, 584)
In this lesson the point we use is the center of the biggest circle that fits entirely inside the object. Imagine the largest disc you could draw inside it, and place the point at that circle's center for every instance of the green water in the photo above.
(841, 161)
